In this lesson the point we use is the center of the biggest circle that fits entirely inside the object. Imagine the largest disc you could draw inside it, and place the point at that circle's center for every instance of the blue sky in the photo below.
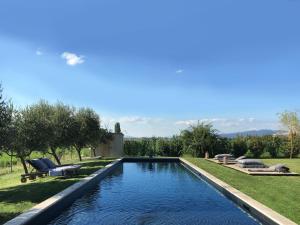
(156, 66)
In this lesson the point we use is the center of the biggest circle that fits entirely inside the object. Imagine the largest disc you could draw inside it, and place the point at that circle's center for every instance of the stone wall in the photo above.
(113, 148)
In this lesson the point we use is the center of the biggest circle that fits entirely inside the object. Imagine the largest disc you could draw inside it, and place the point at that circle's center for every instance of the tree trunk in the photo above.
(24, 164)
(53, 152)
(94, 152)
(79, 153)
(292, 147)
(11, 164)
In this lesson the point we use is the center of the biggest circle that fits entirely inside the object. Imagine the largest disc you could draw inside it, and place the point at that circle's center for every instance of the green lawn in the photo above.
(16, 198)
(282, 194)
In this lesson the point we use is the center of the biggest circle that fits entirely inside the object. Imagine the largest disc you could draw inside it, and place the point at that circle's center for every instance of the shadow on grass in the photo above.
(19, 198)
(43, 188)
(34, 192)
(6, 216)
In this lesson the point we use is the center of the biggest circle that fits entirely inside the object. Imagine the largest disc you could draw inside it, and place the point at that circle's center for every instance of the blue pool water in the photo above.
(153, 193)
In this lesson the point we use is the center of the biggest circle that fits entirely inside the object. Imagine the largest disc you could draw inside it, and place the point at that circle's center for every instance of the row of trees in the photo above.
(153, 146)
(196, 141)
(202, 138)
(48, 128)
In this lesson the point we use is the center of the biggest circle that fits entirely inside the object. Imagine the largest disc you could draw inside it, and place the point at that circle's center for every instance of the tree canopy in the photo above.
(290, 120)
(87, 129)
(5, 118)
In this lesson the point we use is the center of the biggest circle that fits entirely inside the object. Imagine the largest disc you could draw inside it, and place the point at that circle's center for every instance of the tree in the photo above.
(151, 148)
(290, 120)
(27, 132)
(238, 146)
(255, 146)
(176, 146)
(103, 136)
(15, 145)
(62, 120)
(5, 119)
(272, 145)
(87, 129)
(117, 128)
(199, 139)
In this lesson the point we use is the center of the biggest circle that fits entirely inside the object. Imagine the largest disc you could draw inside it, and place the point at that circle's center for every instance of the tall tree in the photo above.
(199, 139)
(87, 129)
(290, 120)
(117, 128)
(62, 121)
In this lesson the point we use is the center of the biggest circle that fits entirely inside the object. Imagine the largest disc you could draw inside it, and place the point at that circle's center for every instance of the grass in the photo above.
(282, 194)
(16, 197)
(67, 156)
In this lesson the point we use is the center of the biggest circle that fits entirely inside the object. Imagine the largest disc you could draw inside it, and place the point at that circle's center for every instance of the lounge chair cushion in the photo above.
(251, 163)
(221, 156)
(49, 163)
(39, 165)
(64, 170)
(275, 168)
(280, 168)
(241, 157)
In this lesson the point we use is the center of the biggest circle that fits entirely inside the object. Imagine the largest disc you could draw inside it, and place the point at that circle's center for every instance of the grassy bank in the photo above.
(16, 198)
(282, 194)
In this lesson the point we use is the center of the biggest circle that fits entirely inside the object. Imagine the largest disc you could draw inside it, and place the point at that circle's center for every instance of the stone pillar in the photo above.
(206, 155)
(225, 160)
(113, 148)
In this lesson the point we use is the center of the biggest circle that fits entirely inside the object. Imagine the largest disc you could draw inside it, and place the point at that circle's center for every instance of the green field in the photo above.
(282, 194)
(16, 198)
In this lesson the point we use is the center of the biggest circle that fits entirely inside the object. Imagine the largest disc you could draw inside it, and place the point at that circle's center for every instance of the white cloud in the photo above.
(132, 120)
(221, 122)
(179, 71)
(72, 59)
(225, 125)
(39, 52)
(186, 122)
(139, 126)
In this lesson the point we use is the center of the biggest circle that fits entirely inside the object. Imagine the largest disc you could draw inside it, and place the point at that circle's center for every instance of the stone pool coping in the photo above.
(253, 207)
(54, 205)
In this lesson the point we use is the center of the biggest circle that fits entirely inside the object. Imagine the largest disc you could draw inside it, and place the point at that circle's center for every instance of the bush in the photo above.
(266, 155)
(238, 146)
(249, 154)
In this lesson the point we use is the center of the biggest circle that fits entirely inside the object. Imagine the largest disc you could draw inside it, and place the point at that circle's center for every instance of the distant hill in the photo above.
(251, 133)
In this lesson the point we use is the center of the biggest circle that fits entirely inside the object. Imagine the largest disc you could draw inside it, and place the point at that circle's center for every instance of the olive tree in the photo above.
(290, 120)
(5, 119)
(28, 131)
(62, 122)
(87, 129)
(103, 136)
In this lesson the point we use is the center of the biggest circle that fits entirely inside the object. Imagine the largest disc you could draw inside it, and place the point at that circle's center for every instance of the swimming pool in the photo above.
(153, 193)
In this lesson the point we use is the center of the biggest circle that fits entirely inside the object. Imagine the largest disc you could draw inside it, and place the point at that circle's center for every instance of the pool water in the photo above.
(153, 193)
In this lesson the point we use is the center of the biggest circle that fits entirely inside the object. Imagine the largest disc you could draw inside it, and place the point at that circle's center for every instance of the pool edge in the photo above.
(253, 207)
(62, 199)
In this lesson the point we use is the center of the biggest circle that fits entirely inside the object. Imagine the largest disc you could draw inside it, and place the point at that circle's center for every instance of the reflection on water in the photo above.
(153, 193)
